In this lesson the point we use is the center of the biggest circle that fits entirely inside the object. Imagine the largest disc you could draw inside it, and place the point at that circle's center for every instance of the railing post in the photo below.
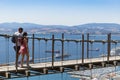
(16, 62)
(53, 50)
(82, 48)
(62, 47)
(33, 48)
(87, 45)
(109, 46)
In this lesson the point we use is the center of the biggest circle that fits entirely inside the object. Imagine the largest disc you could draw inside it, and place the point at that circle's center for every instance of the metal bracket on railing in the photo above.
(91, 41)
(114, 41)
(103, 41)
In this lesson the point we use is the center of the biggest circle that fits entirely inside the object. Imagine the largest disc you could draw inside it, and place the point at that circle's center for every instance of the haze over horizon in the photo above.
(60, 12)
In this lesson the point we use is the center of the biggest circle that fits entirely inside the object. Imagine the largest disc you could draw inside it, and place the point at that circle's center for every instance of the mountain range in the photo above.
(95, 28)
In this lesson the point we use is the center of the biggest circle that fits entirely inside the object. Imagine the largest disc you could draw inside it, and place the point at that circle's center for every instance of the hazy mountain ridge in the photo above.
(96, 28)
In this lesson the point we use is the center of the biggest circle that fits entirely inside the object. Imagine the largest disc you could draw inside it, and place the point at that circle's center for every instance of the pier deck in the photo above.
(58, 66)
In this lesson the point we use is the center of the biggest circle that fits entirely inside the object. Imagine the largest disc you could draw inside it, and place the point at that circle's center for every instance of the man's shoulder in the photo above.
(18, 34)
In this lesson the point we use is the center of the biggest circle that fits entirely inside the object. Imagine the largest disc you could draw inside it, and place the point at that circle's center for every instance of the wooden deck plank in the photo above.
(59, 63)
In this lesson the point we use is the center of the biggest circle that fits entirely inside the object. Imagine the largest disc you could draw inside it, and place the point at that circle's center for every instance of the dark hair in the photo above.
(24, 34)
(20, 28)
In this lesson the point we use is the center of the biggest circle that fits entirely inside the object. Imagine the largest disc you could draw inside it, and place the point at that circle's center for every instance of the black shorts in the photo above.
(17, 48)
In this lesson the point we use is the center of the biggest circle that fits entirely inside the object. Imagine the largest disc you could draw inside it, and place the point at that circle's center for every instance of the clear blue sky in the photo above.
(60, 12)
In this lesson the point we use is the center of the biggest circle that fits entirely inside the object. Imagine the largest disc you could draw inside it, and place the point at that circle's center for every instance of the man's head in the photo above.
(20, 30)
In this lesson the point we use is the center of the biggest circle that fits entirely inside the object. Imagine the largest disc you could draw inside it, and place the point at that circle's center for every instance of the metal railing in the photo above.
(85, 43)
